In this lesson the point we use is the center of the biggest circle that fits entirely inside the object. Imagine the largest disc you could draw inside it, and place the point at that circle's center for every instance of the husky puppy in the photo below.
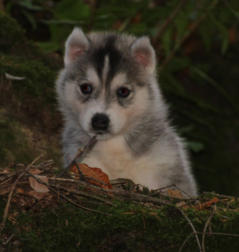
(108, 88)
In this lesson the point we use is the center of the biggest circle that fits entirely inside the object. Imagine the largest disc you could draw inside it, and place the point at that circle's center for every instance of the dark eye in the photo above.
(86, 88)
(123, 92)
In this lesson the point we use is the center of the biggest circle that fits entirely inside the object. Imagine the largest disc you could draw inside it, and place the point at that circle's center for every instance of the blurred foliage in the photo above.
(196, 42)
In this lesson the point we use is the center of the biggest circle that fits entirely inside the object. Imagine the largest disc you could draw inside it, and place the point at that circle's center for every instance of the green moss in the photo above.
(29, 104)
(123, 227)
(14, 146)
(11, 35)
(32, 99)
(20, 57)
(38, 80)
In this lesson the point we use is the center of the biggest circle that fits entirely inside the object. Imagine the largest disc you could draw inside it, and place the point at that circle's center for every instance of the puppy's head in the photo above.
(108, 81)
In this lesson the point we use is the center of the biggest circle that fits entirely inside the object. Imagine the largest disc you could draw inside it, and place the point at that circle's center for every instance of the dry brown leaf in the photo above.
(93, 175)
(35, 171)
(38, 187)
(20, 190)
(175, 193)
(207, 204)
(5, 190)
(5, 171)
(182, 204)
(38, 195)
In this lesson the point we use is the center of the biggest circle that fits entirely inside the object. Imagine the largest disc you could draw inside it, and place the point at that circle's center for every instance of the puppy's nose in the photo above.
(100, 122)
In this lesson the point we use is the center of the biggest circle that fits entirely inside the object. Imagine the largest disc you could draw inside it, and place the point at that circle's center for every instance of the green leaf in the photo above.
(167, 40)
(72, 10)
(223, 33)
(181, 23)
(195, 146)
(28, 4)
(30, 18)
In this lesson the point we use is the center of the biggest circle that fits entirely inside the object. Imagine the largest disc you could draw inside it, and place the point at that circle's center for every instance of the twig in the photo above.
(142, 198)
(209, 234)
(191, 29)
(173, 186)
(82, 183)
(85, 194)
(185, 241)
(76, 204)
(80, 156)
(6, 210)
(8, 240)
(169, 20)
(64, 196)
(125, 194)
(221, 234)
(221, 196)
(205, 228)
(193, 228)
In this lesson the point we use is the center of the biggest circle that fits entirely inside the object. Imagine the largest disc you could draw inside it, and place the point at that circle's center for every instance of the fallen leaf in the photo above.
(35, 171)
(5, 190)
(207, 204)
(20, 190)
(38, 187)
(175, 193)
(5, 171)
(182, 204)
(38, 195)
(13, 77)
(92, 175)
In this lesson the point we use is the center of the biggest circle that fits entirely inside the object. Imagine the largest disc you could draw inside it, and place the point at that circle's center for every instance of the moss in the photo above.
(20, 144)
(28, 106)
(11, 35)
(32, 99)
(126, 227)
(14, 42)
(20, 57)
(14, 146)
(38, 80)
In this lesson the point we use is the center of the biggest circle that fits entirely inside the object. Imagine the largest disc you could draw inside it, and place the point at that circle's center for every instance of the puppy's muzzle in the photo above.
(100, 123)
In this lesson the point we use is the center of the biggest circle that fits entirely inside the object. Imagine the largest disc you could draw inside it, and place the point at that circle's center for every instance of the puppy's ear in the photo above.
(75, 45)
(144, 54)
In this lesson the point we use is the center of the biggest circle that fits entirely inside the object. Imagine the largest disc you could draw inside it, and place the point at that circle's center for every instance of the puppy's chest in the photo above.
(116, 159)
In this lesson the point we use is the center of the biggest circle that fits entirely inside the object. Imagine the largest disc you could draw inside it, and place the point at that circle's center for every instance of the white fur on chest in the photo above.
(115, 158)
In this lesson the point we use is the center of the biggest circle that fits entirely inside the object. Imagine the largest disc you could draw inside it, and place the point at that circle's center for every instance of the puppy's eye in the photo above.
(86, 88)
(123, 92)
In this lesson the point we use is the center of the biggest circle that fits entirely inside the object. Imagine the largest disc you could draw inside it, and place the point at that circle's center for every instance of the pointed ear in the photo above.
(144, 53)
(75, 45)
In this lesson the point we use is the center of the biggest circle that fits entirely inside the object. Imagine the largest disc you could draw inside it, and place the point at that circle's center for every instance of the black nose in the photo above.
(100, 122)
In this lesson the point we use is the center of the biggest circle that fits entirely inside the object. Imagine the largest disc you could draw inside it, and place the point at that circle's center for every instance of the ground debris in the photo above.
(35, 187)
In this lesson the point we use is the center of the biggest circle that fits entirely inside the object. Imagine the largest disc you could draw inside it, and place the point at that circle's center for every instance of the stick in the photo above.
(222, 234)
(74, 203)
(80, 156)
(185, 241)
(8, 240)
(85, 194)
(193, 228)
(64, 196)
(125, 194)
(6, 210)
(205, 228)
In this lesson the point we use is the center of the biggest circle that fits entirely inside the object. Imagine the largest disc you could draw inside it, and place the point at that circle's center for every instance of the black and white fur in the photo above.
(135, 140)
